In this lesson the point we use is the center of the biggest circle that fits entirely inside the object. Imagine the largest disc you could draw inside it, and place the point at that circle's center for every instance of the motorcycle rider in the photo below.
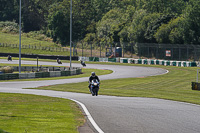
(83, 63)
(93, 76)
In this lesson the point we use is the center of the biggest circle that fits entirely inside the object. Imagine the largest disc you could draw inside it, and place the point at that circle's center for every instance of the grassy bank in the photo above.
(176, 85)
(21, 113)
(14, 39)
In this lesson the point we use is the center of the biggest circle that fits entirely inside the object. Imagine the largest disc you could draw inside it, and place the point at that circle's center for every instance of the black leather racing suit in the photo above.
(91, 78)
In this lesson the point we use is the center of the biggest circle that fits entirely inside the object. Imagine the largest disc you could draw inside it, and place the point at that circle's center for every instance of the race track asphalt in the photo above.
(121, 114)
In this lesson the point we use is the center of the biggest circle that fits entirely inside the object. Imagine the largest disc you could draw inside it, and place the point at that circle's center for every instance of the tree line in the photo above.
(95, 21)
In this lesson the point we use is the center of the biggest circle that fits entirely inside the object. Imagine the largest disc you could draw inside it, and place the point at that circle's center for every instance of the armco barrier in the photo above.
(34, 68)
(26, 75)
(78, 71)
(11, 76)
(8, 76)
(111, 59)
(103, 59)
(72, 72)
(93, 59)
(123, 60)
(65, 73)
(162, 62)
(142, 61)
(2, 77)
(55, 74)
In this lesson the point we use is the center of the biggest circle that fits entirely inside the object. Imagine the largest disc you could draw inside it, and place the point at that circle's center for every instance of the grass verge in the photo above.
(29, 113)
(176, 85)
(14, 39)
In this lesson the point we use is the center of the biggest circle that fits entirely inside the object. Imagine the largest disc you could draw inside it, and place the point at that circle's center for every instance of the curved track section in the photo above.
(123, 114)
(118, 72)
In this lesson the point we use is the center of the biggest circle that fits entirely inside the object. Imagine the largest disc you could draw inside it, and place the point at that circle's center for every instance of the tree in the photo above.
(59, 22)
(162, 6)
(110, 25)
(192, 16)
(34, 14)
(171, 32)
(9, 10)
(154, 26)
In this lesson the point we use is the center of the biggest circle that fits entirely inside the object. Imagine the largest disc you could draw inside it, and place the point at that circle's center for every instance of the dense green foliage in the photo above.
(143, 21)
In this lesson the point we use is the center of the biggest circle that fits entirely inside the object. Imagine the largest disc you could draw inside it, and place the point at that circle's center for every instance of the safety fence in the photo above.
(143, 61)
(59, 71)
(35, 47)
(182, 52)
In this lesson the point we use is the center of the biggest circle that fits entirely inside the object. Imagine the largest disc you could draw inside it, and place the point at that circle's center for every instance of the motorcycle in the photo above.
(94, 88)
(59, 61)
(83, 64)
(9, 58)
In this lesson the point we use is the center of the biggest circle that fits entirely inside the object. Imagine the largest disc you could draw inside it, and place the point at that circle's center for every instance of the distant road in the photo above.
(121, 114)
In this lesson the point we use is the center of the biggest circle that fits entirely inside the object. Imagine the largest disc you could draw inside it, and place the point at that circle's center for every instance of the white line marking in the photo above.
(89, 116)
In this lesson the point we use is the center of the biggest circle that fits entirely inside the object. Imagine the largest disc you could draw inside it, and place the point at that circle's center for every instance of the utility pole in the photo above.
(20, 3)
(70, 34)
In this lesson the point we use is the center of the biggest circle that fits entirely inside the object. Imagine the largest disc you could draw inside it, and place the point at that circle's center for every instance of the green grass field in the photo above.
(21, 113)
(176, 85)
(41, 114)
(14, 39)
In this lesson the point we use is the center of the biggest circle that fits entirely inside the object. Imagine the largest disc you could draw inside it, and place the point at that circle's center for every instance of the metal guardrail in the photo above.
(57, 73)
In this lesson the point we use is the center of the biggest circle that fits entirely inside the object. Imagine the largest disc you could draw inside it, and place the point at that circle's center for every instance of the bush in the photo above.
(38, 35)
(9, 27)
(7, 69)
